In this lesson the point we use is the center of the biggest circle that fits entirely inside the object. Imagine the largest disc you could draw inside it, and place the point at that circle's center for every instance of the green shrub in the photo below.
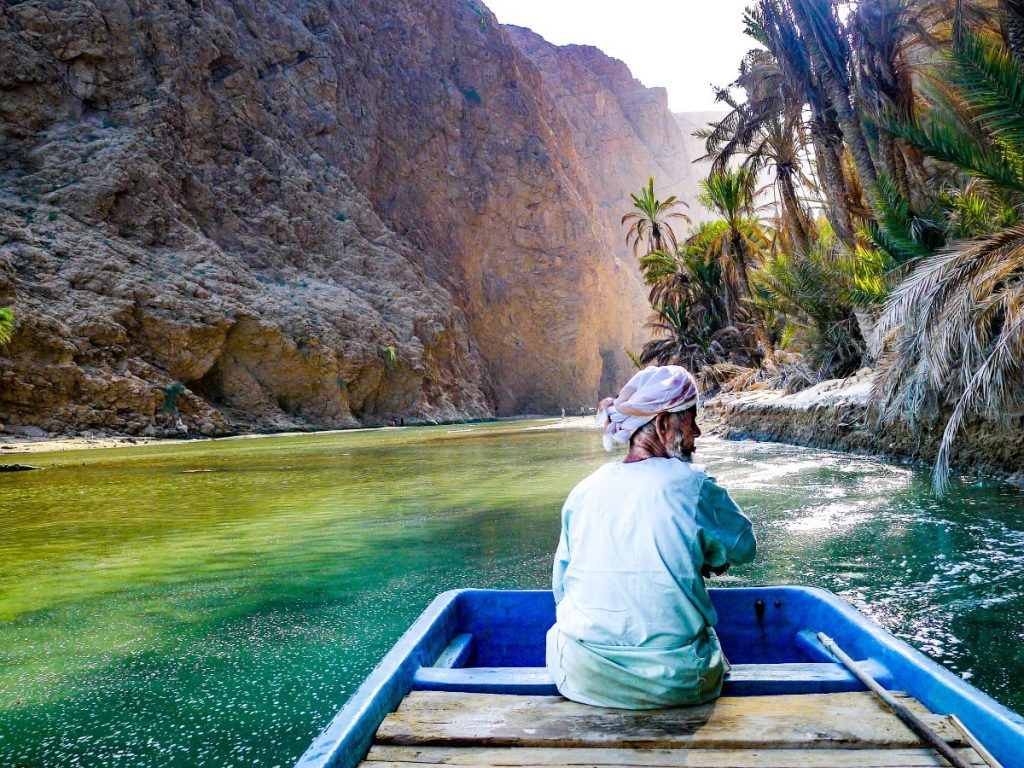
(171, 395)
(6, 325)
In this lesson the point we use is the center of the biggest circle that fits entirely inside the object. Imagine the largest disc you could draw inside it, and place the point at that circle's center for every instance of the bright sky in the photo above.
(682, 45)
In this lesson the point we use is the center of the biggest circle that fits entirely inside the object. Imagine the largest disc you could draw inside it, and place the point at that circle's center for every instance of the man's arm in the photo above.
(727, 537)
(708, 571)
(561, 562)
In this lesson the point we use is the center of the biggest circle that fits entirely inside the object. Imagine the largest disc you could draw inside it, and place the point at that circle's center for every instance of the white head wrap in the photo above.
(656, 389)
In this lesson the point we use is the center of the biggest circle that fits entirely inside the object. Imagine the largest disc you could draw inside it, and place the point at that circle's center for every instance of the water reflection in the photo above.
(214, 603)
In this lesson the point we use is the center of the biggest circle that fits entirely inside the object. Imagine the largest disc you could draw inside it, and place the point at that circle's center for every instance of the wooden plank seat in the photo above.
(743, 680)
(806, 721)
(383, 756)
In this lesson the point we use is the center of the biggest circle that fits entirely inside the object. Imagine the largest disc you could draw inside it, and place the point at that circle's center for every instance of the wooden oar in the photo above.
(911, 720)
(973, 741)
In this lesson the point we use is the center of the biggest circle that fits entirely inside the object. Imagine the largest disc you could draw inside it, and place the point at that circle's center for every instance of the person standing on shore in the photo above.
(634, 623)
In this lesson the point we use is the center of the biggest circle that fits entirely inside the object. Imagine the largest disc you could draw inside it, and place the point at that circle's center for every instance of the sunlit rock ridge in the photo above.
(235, 216)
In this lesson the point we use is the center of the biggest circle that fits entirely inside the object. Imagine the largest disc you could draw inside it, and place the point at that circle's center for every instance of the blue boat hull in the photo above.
(489, 641)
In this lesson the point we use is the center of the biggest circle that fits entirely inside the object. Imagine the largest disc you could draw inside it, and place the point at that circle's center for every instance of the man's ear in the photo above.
(661, 424)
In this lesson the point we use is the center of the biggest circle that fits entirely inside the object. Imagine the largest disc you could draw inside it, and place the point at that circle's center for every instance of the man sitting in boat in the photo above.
(634, 625)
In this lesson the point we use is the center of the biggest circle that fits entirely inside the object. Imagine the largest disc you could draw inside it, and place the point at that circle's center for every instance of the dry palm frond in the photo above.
(959, 326)
(726, 377)
(788, 376)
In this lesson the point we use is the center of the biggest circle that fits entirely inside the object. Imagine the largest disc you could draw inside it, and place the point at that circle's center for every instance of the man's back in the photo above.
(633, 615)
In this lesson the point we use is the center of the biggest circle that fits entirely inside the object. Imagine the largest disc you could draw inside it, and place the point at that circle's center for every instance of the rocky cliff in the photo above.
(623, 131)
(302, 213)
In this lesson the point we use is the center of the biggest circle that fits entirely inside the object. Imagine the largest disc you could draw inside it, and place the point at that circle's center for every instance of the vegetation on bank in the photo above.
(889, 230)
(6, 326)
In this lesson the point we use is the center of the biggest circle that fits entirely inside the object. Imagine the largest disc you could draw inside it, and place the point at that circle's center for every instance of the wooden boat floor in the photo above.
(835, 730)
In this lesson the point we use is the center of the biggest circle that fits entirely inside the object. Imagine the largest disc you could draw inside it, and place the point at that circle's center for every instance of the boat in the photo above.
(466, 685)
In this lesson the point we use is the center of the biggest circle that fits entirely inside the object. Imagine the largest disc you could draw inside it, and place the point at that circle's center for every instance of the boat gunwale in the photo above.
(346, 739)
(353, 727)
(999, 728)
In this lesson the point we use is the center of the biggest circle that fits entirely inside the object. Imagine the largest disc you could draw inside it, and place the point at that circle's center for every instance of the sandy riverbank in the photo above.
(13, 445)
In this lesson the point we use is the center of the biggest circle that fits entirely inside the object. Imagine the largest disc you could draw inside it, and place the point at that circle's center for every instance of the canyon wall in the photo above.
(623, 131)
(304, 214)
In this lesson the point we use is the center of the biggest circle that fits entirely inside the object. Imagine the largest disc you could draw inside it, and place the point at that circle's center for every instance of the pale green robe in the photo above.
(634, 621)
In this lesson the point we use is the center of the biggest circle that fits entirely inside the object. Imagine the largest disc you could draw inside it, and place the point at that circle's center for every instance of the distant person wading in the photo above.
(634, 623)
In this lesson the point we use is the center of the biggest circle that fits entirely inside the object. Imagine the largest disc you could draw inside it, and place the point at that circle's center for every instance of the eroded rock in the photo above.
(306, 216)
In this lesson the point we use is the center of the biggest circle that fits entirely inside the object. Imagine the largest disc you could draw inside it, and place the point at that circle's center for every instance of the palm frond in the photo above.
(958, 328)
(937, 138)
(992, 81)
(649, 223)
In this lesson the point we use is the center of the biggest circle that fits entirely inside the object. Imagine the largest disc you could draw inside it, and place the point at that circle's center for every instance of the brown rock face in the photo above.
(306, 213)
(623, 131)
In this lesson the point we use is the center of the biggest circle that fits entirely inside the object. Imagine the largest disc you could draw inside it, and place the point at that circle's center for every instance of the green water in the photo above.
(213, 604)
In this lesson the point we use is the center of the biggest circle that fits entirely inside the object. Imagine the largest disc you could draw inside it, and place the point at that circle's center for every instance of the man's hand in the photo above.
(706, 570)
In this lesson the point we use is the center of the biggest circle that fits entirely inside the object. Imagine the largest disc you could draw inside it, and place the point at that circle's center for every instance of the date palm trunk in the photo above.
(892, 161)
(837, 92)
(656, 244)
(830, 174)
(739, 250)
(867, 319)
(1013, 12)
(792, 212)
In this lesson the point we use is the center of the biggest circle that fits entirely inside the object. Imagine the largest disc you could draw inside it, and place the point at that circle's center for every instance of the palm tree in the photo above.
(682, 342)
(829, 49)
(884, 35)
(813, 291)
(731, 194)
(772, 24)
(957, 321)
(691, 276)
(768, 130)
(666, 275)
(650, 222)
